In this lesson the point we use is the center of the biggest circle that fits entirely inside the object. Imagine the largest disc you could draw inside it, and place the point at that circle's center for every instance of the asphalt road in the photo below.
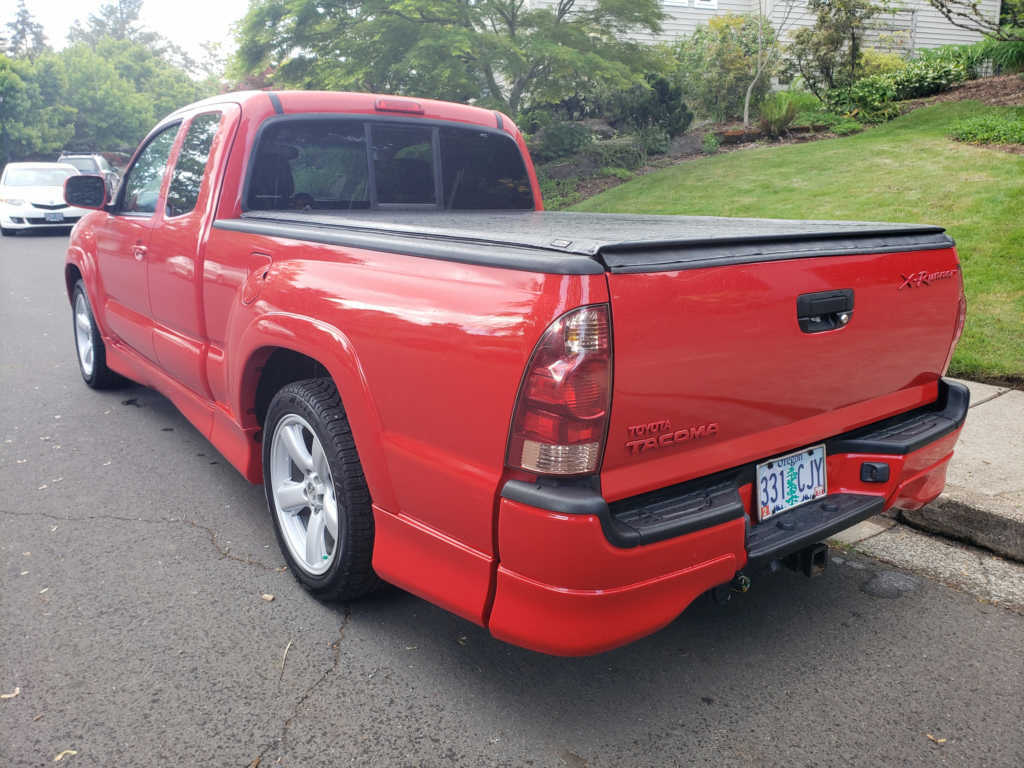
(134, 559)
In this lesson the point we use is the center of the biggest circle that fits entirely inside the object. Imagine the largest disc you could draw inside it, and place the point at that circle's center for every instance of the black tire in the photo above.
(7, 232)
(101, 377)
(350, 575)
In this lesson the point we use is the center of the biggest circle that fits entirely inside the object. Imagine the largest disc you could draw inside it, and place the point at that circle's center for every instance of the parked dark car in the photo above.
(94, 163)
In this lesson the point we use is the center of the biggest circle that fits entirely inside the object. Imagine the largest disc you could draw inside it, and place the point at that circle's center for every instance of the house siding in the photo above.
(910, 26)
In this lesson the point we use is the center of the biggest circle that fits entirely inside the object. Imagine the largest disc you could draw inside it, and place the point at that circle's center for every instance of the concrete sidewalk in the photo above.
(984, 498)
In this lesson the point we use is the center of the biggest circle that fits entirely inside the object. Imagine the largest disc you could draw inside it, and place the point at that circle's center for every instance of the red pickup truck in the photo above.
(563, 427)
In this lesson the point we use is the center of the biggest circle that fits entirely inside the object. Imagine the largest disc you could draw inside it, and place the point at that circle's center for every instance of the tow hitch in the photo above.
(811, 561)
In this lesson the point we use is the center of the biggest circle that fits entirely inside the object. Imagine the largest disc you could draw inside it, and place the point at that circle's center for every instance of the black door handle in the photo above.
(825, 310)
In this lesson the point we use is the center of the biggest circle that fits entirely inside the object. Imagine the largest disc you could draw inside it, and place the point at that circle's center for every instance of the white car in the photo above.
(32, 197)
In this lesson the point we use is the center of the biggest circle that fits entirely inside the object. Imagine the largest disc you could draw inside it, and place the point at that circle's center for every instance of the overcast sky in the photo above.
(185, 22)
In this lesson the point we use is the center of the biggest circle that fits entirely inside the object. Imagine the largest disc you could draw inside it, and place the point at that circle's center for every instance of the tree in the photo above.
(968, 14)
(117, 20)
(718, 64)
(504, 53)
(120, 21)
(110, 112)
(27, 35)
(32, 120)
(768, 52)
(827, 55)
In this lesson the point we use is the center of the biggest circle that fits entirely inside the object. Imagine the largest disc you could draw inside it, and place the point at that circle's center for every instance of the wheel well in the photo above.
(282, 367)
(71, 276)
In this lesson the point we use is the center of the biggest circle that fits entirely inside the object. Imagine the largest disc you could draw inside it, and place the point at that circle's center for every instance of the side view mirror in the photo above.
(86, 191)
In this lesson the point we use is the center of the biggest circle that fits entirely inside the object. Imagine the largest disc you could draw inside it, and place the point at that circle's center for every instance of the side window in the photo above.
(142, 184)
(403, 164)
(191, 166)
(483, 171)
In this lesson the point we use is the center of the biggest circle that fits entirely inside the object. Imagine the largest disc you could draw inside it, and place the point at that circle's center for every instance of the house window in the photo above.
(710, 5)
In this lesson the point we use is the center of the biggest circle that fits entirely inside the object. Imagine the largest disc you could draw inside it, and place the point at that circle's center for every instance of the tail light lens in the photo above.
(961, 319)
(561, 414)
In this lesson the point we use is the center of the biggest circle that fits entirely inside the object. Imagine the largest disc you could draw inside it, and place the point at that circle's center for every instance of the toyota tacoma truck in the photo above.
(563, 427)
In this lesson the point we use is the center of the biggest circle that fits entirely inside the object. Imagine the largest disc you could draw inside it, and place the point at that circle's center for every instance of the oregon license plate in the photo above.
(788, 481)
(55, 216)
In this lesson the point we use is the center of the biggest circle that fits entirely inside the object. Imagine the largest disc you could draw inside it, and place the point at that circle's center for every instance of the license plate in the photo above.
(790, 480)
(54, 216)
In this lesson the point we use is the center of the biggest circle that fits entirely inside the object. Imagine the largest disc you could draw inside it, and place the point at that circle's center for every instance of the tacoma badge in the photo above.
(659, 434)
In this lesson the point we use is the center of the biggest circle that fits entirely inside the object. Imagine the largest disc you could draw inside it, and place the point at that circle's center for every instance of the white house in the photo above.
(908, 25)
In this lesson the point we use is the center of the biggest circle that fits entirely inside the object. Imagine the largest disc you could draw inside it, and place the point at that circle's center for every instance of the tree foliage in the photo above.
(719, 62)
(33, 119)
(828, 54)
(504, 53)
(102, 92)
(27, 36)
(969, 14)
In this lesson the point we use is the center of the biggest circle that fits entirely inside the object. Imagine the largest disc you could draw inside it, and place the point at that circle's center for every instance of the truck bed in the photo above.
(587, 243)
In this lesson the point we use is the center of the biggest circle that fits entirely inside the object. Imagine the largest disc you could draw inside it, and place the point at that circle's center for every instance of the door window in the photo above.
(142, 184)
(191, 165)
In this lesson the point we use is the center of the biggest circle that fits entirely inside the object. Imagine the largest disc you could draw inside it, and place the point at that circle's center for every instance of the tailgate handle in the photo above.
(825, 310)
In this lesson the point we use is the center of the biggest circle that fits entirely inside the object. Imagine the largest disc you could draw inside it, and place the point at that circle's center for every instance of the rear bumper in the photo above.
(580, 576)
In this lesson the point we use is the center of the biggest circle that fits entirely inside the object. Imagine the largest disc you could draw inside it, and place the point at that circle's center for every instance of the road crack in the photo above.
(279, 740)
(224, 552)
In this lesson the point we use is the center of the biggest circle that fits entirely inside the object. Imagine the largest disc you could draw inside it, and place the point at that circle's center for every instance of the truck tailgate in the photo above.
(714, 369)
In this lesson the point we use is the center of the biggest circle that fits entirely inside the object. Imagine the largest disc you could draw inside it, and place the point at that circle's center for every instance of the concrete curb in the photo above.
(986, 521)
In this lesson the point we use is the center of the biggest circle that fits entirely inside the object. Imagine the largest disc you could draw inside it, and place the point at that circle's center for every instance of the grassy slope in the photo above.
(906, 170)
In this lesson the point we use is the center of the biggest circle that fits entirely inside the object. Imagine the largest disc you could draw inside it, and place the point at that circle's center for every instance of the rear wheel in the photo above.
(316, 491)
(92, 354)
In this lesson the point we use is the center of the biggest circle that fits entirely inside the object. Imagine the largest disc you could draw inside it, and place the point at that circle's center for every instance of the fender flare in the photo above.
(334, 350)
(85, 262)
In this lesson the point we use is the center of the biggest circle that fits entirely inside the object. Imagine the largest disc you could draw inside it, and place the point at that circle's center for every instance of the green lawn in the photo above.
(906, 170)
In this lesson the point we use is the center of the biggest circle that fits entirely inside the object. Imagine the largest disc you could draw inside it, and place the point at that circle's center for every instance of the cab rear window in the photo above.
(348, 164)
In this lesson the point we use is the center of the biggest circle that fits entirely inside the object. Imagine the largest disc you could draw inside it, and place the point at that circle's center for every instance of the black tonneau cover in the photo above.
(588, 243)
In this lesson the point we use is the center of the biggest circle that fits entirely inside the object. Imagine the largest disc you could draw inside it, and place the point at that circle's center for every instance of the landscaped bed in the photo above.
(906, 170)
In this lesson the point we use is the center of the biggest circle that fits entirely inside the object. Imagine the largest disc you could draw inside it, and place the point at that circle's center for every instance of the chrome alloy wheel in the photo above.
(83, 335)
(303, 492)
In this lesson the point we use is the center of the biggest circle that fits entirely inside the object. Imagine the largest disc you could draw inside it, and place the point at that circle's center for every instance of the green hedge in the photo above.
(872, 98)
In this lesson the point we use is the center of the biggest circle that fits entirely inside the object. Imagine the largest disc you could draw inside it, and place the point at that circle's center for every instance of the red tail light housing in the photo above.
(561, 416)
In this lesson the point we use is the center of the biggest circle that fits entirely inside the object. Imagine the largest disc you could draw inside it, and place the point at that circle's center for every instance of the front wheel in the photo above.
(8, 232)
(316, 491)
(92, 354)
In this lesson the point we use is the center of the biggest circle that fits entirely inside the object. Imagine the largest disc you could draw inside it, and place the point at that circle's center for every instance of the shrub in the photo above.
(1005, 55)
(874, 62)
(871, 99)
(992, 128)
(620, 152)
(778, 111)
(557, 193)
(659, 103)
(616, 173)
(717, 62)
(924, 78)
(970, 57)
(828, 55)
(559, 139)
(709, 144)
(654, 140)
(846, 126)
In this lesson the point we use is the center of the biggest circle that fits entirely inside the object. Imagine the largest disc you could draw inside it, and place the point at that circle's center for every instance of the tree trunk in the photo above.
(746, 99)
